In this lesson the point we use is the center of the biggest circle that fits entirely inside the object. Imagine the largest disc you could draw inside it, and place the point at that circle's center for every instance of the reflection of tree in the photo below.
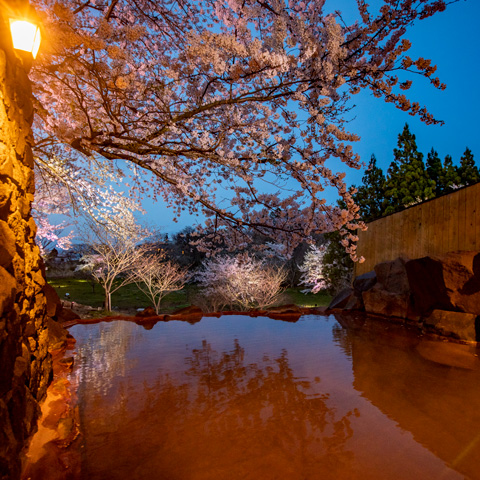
(229, 420)
(429, 388)
(101, 358)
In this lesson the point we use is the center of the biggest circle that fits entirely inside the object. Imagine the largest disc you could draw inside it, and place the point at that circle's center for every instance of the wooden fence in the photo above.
(445, 224)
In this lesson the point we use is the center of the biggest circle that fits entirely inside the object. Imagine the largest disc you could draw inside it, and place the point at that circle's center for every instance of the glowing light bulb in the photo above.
(25, 35)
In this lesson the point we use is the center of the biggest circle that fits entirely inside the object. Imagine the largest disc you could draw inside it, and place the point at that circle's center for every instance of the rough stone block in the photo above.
(392, 276)
(57, 335)
(365, 282)
(7, 244)
(54, 305)
(460, 325)
(341, 299)
(385, 303)
(7, 290)
(427, 285)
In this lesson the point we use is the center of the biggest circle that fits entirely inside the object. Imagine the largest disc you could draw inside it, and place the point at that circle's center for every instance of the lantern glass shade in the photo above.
(25, 35)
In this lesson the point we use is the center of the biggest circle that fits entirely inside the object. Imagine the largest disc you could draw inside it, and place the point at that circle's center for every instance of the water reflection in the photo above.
(256, 398)
(103, 354)
(257, 417)
(430, 388)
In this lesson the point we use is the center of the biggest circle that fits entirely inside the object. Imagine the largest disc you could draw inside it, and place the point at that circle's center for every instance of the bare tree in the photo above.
(157, 278)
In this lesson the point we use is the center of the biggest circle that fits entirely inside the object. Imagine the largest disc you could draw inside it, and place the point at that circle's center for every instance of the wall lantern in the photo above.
(25, 36)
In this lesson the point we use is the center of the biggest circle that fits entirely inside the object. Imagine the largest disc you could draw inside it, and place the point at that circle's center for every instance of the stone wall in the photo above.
(25, 365)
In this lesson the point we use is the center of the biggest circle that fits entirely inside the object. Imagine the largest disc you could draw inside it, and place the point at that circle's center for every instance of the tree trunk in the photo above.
(108, 301)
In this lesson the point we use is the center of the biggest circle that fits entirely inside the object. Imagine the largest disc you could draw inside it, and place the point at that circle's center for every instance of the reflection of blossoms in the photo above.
(312, 270)
(101, 353)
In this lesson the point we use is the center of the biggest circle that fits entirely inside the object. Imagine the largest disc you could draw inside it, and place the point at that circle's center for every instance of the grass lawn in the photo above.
(296, 296)
(130, 297)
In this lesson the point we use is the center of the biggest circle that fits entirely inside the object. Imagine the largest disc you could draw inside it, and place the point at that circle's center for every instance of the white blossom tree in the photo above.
(204, 97)
(119, 248)
(312, 270)
(157, 277)
(240, 282)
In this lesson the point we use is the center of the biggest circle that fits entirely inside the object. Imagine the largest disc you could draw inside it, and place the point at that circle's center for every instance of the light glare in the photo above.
(26, 36)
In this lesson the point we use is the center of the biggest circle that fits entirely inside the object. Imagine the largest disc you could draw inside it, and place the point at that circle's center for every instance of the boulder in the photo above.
(291, 308)
(392, 276)
(464, 326)
(390, 295)
(355, 302)
(147, 312)
(365, 282)
(448, 282)
(388, 304)
(461, 274)
(54, 304)
(67, 315)
(57, 335)
(341, 299)
(427, 285)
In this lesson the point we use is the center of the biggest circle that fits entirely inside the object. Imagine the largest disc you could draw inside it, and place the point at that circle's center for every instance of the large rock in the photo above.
(460, 325)
(461, 274)
(54, 304)
(392, 276)
(7, 290)
(341, 299)
(449, 282)
(390, 295)
(350, 298)
(427, 285)
(388, 304)
(419, 289)
(365, 282)
(57, 335)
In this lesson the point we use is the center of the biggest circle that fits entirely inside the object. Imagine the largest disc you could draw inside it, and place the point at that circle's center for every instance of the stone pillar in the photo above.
(25, 365)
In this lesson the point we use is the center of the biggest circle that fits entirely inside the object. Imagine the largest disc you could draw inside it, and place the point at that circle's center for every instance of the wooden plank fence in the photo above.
(445, 224)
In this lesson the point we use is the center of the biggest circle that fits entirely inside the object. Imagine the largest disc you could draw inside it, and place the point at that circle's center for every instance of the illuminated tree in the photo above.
(119, 248)
(240, 282)
(157, 277)
(312, 270)
(228, 95)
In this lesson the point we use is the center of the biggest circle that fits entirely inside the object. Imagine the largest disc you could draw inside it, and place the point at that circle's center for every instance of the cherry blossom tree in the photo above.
(206, 97)
(240, 282)
(157, 277)
(119, 248)
(51, 199)
(312, 270)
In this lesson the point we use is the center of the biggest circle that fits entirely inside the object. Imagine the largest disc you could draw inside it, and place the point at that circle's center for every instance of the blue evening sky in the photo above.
(450, 40)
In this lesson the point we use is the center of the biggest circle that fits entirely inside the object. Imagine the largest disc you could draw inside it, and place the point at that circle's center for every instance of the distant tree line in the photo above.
(410, 179)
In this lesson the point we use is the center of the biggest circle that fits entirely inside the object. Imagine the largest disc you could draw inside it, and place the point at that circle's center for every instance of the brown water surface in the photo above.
(255, 398)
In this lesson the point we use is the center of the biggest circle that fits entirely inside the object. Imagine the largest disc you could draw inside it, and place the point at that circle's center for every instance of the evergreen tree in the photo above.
(450, 178)
(467, 171)
(407, 179)
(337, 264)
(434, 170)
(370, 196)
